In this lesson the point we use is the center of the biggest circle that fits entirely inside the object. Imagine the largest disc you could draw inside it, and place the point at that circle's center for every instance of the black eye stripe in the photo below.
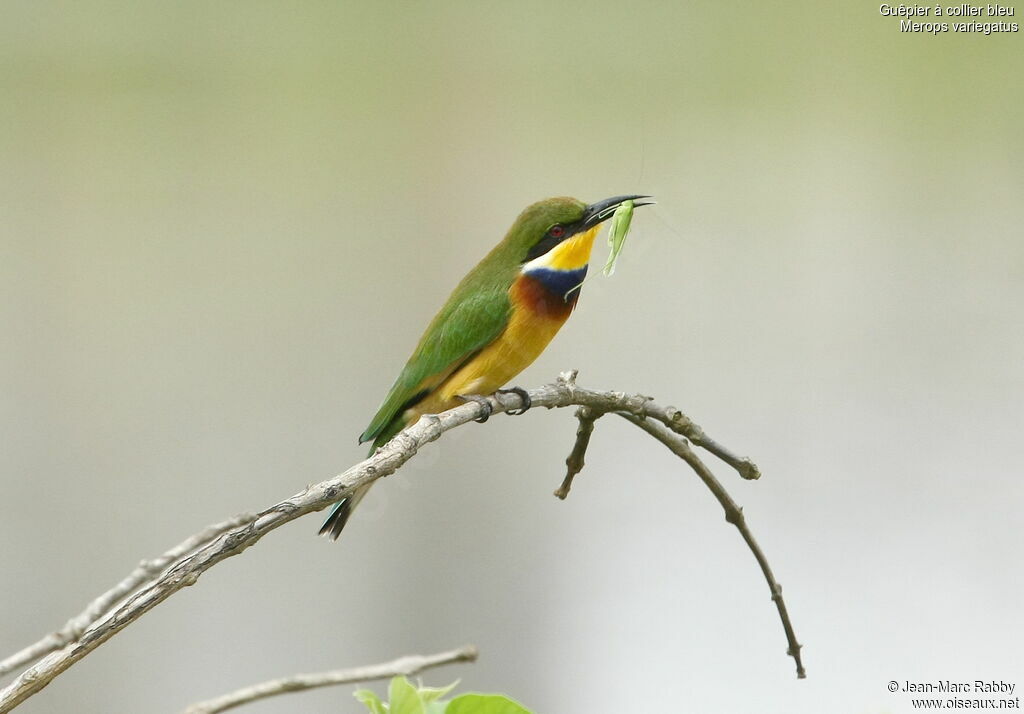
(549, 241)
(542, 246)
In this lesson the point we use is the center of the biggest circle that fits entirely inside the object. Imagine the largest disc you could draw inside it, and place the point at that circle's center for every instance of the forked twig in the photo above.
(152, 583)
(146, 571)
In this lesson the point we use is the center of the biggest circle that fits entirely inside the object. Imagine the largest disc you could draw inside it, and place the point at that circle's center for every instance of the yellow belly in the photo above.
(536, 318)
(527, 334)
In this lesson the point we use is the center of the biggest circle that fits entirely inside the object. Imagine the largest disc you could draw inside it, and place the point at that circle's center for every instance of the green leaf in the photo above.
(404, 697)
(435, 708)
(371, 700)
(484, 704)
(431, 694)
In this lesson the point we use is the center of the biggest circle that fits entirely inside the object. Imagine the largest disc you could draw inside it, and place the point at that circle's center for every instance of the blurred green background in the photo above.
(223, 226)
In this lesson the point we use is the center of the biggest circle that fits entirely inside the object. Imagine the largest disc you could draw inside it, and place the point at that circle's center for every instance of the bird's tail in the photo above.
(342, 511)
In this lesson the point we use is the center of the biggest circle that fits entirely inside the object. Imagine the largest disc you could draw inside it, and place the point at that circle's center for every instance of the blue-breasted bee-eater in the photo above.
(496, 322)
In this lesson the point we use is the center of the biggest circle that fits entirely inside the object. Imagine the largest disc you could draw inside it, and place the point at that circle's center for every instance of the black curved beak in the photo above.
(602, 210)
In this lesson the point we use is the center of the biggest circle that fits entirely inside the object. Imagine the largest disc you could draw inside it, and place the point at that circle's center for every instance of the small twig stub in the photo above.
(576, 459)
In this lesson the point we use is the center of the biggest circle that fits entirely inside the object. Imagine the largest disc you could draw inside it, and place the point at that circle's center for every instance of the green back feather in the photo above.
(470, 320)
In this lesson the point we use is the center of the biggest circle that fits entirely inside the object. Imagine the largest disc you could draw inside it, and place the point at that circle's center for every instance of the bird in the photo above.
(496, 322)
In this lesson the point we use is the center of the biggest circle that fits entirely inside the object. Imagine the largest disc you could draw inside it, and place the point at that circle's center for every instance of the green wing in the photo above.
(472, 318)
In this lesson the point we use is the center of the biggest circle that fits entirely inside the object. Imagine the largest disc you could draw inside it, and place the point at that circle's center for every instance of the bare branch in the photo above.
(407, 666)
(196, 555)
(682, 424)
(146, 571)
(734, 515)
(575, 460)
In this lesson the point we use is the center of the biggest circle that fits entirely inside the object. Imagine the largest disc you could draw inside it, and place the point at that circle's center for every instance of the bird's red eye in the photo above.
(556, 231)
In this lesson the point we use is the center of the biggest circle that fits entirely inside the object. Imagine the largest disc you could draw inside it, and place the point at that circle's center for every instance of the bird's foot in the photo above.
(523, 395)
(485, 406)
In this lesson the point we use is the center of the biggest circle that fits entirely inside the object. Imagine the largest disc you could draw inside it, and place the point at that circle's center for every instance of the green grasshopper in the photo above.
(617, 233)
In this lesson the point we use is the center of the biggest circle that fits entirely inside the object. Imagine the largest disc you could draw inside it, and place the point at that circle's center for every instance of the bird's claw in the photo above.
(523, 395)
(485, 406)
